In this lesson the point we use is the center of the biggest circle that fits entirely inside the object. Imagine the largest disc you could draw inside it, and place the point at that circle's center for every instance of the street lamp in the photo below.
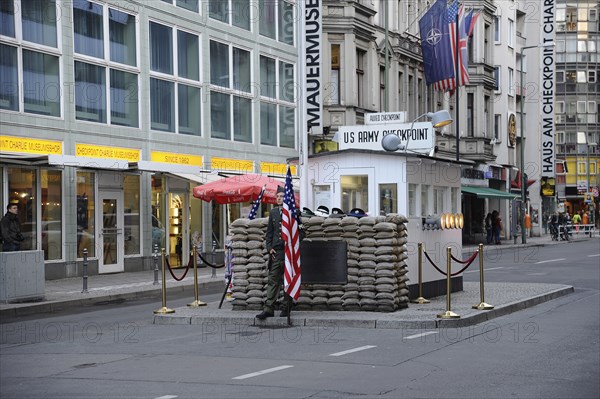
(522, 136)
(392, 142)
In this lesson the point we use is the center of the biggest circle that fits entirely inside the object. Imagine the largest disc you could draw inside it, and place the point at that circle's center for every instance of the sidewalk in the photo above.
(65, 294)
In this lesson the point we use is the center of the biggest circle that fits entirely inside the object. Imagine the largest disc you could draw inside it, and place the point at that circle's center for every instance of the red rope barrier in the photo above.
(210, 264)
(468, 263)
(433, 264)
(470, 260)
(187, 268)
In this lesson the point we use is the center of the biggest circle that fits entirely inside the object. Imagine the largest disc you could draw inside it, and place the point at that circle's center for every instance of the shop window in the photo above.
(51, 214)
(131, 198)
(388, 198)
(412, 199)
(22, 185)
(86, 211)
(355, 192)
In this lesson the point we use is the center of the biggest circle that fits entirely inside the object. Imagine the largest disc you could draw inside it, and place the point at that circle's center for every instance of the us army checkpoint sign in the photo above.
(418, 138)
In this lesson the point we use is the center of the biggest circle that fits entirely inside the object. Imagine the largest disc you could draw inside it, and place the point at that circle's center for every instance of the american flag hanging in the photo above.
(290, 233)
(256, 204)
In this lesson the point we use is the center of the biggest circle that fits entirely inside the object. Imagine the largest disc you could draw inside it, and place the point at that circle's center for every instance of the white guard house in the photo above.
(409, 182)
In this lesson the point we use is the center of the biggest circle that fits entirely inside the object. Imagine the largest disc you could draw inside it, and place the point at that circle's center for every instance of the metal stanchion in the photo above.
(85, 271)
(448, 314)
(214, 271)
(420, 299)
(164, 309)
(482, 305)
(155, 256)
(196, 302)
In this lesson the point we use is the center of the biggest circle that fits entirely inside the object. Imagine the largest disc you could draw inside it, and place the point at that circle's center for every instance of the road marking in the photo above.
(485, 270)
(421, 335)
(362, 348)
(243, 377)
(591, 256)
(548, 261)
(167, 397)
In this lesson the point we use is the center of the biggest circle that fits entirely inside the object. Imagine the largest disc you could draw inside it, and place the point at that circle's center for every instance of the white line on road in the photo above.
(167, 397)
(591, 256)
(551, 260)
(485, 270)
(243, 377)
(421, 335)
(362, 348)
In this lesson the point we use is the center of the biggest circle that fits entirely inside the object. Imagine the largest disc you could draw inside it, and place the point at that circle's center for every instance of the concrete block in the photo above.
(22, 276)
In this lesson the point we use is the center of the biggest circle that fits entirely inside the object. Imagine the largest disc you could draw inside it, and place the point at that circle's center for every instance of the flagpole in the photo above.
(456, 118)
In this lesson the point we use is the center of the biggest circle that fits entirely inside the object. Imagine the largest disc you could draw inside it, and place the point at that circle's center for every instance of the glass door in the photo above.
(111, 239)
(178, 230)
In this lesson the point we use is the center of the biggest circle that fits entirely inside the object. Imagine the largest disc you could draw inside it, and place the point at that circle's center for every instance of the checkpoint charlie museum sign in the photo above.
(417, 137)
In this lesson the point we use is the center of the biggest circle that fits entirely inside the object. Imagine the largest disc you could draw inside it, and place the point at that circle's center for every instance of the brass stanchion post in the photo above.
(482, 305)
(420, 299)
(196, 302)
(448, 314)
(164, 309)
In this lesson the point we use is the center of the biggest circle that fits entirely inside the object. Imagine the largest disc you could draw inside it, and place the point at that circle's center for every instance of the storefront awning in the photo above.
(486, 192)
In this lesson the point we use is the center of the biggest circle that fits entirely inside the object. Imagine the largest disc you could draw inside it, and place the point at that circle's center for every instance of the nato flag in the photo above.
(435, 44)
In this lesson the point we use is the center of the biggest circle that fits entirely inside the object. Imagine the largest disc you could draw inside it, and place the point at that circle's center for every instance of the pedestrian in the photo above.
(576, 221)
(496, 223)
(488, 228)
(276, 249)
(10, 229)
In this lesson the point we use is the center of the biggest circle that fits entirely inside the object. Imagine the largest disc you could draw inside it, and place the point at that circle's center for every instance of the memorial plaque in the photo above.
(324, 262)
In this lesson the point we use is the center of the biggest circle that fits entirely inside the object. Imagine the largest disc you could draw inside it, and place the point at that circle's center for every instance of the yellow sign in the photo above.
(98, 151)
(174, 158)
(236, 165)
(30, 146)
(271, 168)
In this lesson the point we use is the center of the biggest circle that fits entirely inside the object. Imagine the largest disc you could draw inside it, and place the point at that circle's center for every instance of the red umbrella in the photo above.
(240, 188)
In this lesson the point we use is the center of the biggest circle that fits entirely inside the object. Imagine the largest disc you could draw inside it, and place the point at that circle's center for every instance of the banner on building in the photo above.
(547, 90)
(312, 58)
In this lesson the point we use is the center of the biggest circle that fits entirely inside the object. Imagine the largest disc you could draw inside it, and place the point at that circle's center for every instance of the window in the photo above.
(438, 200)
(41, 83)
(560, 46)
(497, 78)
(560, 137)
(276, 20)
(191, 5)
(381, 89)
(86, 212)
(581, 107)
(334, 76)
(412, 199)
(424, 200)
(355, 192)
(591, 76)
(560, 76)
(388, 201)
(22, 184)
(51, 204)
(7, 16)
(497, 30)
(560, 107)
(131, 198)
(175, 90)
(511, 82)
(277, 108)
(38, 20)
(511, 32)
(239, 10)
(470, 115)
(360, 77)
(230, 105)
(497, 127)
(455, 197)
(9, 91)
(94, 81)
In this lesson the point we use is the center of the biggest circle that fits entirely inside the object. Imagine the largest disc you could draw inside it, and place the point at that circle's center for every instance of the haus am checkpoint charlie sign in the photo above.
(418, 138)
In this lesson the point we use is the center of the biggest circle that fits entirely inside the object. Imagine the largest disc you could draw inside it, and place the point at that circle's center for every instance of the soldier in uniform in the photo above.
(276, 250)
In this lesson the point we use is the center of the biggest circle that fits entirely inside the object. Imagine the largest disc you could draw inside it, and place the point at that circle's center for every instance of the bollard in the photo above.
(85, 271)
(482, 305)
(196, 302)
(213, 255)
(155, 256)
(420, 299)
(164, 309)
(448, 314)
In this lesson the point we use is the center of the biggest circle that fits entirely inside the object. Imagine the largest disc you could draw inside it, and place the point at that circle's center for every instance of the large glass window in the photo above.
(277, 111)
(242, 119)
(161, 48)
(188, 56)
(219, 64)
(268, 18)
(287, 121)
(90, 88)
(286, 23)
(424, 200)
(388, 200)
(162, 105)
(220, 115)
(241, 13)
(189, 109)
(268, 82)
(52, 214)
(123, 98)
(131, 198)
(86, 214)
(241, 70)
(41, 83)
(7, 18)
(122, 37)
(438, 200)
(89, 28)
(355, 192)
(191, 5)
(412, 199)
(9, 88)
(268, 123)
(22, 185)
(39, 21)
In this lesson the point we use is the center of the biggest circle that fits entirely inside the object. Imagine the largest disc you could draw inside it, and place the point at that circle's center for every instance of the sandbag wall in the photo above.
(377, 269)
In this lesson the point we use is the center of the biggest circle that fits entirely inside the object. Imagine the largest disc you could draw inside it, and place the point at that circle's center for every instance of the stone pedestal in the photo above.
(22, 276)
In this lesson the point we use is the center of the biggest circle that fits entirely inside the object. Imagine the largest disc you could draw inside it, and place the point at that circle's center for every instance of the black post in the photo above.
(85, 271)
(213, 255)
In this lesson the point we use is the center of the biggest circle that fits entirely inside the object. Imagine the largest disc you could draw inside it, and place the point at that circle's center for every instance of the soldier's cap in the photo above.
(337, 213)
(357, 212)
(306, 212)
(322, 210)
(280, 189)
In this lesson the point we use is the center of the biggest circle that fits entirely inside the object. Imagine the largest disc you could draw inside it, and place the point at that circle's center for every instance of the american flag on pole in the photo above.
(256, 204)
(290, 233)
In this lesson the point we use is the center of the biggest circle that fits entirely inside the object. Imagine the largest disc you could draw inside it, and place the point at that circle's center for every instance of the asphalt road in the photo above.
(548, 351)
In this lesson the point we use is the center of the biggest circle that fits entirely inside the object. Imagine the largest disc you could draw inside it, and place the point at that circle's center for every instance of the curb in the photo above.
(370, 322)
